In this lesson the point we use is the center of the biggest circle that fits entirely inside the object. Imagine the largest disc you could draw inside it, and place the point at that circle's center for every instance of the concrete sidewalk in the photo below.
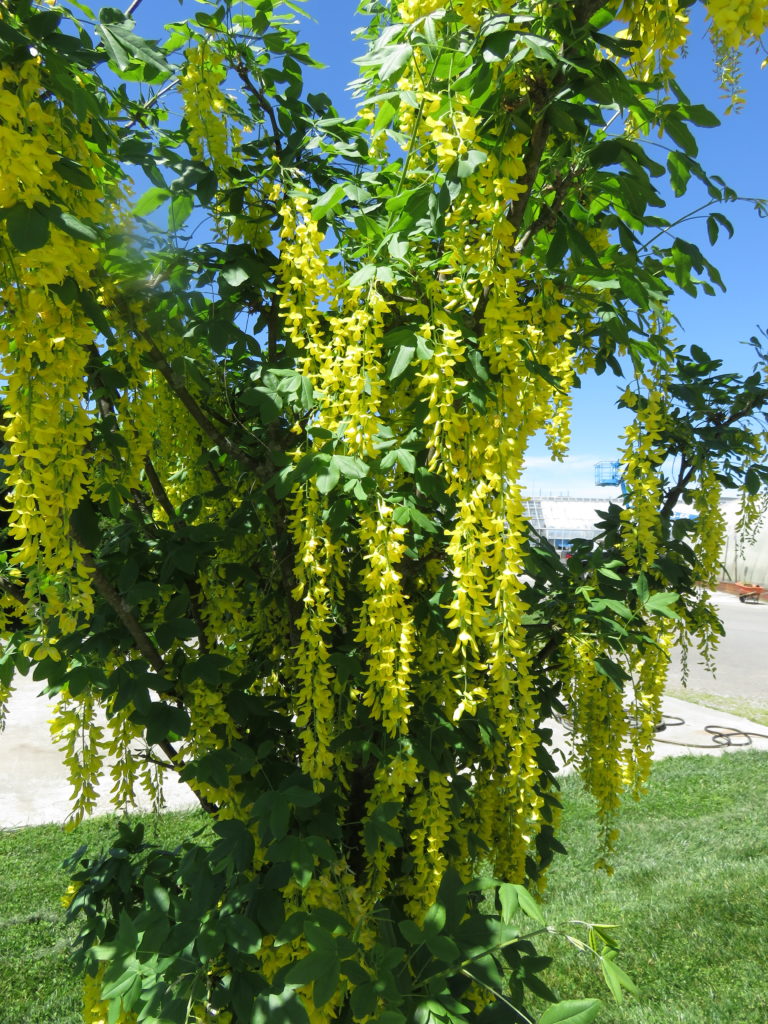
(688, 729)
(34, 788)
(33, 780)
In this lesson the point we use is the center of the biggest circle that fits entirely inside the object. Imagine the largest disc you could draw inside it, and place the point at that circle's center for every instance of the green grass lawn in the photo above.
(37, 985)
(689, 893)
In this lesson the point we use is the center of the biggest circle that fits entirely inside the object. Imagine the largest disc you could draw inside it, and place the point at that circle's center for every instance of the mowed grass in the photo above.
(689, 894)
(37, 984)
(723, 702)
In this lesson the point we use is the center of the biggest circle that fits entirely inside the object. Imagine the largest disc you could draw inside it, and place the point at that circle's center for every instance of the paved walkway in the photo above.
(34, 788)
(33, 781)
(689, 729)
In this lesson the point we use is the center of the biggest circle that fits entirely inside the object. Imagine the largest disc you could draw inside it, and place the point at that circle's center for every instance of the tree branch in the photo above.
(12, 590)
(143, 644)
(197, 414)
(160, 493)
(258, 94)
(122, 609)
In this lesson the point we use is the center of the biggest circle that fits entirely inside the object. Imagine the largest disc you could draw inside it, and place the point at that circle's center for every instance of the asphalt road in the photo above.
(742, 656)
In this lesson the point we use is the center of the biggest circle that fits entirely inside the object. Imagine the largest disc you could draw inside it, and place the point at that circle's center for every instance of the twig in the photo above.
(136, 119)
(122, 609)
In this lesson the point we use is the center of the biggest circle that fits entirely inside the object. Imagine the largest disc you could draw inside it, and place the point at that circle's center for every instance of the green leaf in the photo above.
(411, 932)
(74, 173)
(663, 604)
(498, 46)
(235, 274)
(468, 164)
(616, 979)
(362, 276)
(156, 894)
(279, 1008)
(397, 247)
(702, 116)
(27, 227)
(124, 47)
(162, 721)
(617, 607)
(558, 247)
(150, 201)
(242, 934)
(328, 475)
(85, 524)
(328, 201)
(312, 967)
(528, 904)
(394, 59)
(434, 919)
(611, 670)
(571, 1011)
(508, 898)
(350, 466)
(180, 209)
(364, 1000)
(268, 403)
(326, 985)
(406, 459)
(74, 226)
(400, 361)
(443, 948)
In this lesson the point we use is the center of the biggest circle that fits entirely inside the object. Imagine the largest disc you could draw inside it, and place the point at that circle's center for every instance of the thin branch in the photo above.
(261, 99)
(123, 611)
(136, 119)
(676, 492)
(12, 590)
(197, 414)
(160, 493)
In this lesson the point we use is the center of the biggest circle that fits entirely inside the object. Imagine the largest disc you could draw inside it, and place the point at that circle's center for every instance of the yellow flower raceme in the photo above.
(386, 630)
(737, 21)
(212, 136)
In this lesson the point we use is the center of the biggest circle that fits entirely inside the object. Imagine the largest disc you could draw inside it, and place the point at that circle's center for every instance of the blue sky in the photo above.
(737, 151)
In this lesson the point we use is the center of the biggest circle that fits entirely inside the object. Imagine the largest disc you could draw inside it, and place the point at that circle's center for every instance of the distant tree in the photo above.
(269, 377)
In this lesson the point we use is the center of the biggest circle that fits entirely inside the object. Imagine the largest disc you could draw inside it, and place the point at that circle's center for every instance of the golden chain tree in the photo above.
(266, 415)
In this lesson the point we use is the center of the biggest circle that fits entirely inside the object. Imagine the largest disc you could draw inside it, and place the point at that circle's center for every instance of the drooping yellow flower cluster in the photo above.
(738, 20)
(212, 135)
(386, 623)
(662, 28)
(78, 727)
(612, 732)
(641, 460)
(710, 525)
(318, 688)
(45, 341)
